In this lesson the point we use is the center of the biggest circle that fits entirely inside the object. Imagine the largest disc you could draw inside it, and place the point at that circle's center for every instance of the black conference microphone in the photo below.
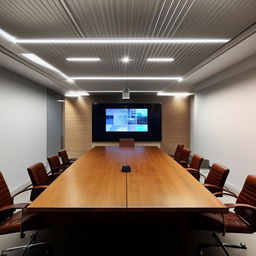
(126, 168)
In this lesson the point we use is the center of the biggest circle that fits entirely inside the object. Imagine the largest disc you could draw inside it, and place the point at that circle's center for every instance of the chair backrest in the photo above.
(196, 162)
(38, 174)
(5, 198)
(64, 156)
(185, 154)
(126, 142)
(54, 163)
(248, 196)
(178, 151)
(217, 176)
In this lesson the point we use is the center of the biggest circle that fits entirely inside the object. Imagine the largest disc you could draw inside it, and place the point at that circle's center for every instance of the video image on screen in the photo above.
(126, 120)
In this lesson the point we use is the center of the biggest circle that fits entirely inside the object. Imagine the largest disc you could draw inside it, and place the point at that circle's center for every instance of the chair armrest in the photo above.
(225, 192)
(13, 207)
(183, 164)
(32, 188)
(192, 170)
(213, 186)
(202, 175)
(241, 205)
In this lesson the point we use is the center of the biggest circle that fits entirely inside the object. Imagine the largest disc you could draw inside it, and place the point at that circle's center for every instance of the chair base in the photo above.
(29, 245)
(220, 244)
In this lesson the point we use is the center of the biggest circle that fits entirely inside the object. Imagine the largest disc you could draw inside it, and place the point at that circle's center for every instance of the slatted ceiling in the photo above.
(91, 85)
(169, 18)
(186, 56)
(36, 19)
(126, 18)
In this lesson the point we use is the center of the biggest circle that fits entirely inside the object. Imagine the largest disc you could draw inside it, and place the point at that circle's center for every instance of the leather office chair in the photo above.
(241, 220)
(14, 222)
(216, 178)
(55, 165)
(194, 167)
(126, 142)
(64, 157)
(177, 153)
(185, 153)
(39, 177)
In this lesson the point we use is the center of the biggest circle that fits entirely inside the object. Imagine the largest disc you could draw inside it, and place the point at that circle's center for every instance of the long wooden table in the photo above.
(156, 183)
(157, 189)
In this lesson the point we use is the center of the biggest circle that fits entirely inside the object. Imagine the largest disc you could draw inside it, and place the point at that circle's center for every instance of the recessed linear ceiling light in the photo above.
(83, 59)
(125, 41)
(76, 93)
(160, 59)
(87, 93)
(122, 91)
(175, 94)
(126, 78)
(39, 61)
(7, 36)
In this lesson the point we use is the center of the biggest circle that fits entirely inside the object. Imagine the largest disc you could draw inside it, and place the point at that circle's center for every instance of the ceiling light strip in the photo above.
(125, 41)
(7, 36)
(160, 59)
(36, 59)
(122, 91)
(126, 78)
(83, 59)
(176, 94)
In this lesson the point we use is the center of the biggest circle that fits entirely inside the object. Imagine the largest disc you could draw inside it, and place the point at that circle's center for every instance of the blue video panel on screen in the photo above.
(126, 120)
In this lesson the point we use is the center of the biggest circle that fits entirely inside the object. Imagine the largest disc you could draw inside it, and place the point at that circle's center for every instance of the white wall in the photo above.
(23, 130)
(223, 122)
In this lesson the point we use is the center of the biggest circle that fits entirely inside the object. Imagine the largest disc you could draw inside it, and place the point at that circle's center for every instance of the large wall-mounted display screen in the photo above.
(126, 119)
(110, 122)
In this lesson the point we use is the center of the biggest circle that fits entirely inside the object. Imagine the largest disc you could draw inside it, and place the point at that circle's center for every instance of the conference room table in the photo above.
(95, 189)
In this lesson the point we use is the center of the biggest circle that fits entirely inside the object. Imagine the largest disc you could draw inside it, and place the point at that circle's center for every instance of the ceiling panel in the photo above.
(162, 18)
(120, 85)
(186, 57)
(36, 19)
(125, 18)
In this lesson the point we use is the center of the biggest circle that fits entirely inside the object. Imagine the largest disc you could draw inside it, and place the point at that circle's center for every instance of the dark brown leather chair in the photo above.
(64, 157)
(216, 178)
(194, 167)
(185, 153)
(12, 221)
(241, 220)
(39, 177)
(126, 142)
(55, 165)
(177, 153)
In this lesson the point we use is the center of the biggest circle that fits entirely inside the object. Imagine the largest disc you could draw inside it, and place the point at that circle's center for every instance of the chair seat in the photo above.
(234, 223)
(12, 225)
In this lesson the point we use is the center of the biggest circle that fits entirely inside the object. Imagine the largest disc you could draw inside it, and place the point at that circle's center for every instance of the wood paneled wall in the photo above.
(78, 120)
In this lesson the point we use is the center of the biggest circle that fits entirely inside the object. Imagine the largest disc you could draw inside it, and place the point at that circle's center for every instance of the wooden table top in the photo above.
(156, 183)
